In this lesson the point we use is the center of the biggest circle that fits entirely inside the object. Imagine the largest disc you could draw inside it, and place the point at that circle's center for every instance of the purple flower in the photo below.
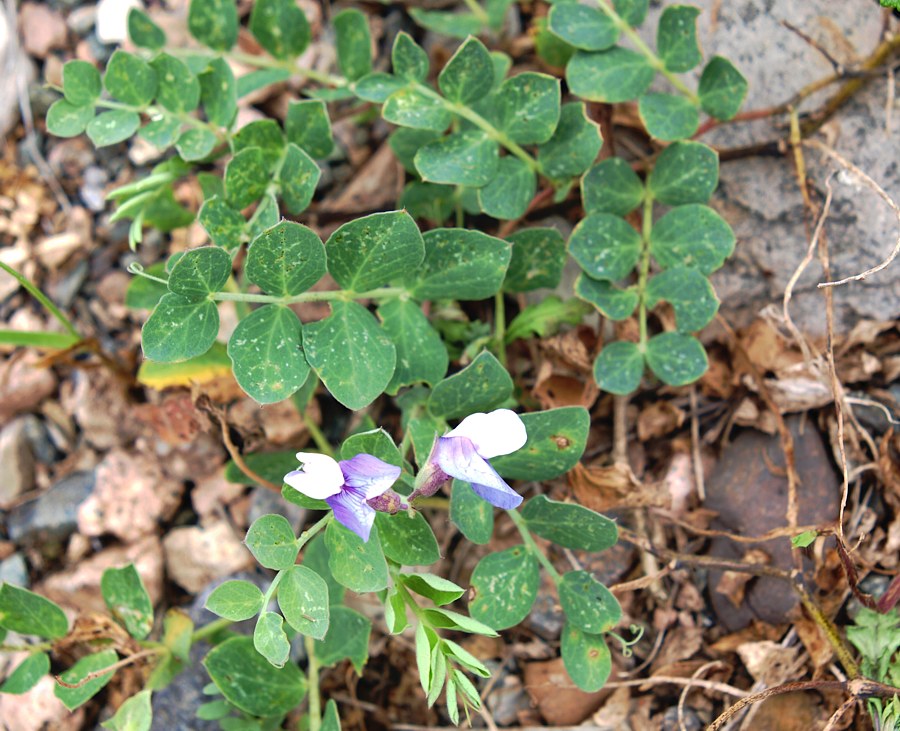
(346, 486)
(464, 452)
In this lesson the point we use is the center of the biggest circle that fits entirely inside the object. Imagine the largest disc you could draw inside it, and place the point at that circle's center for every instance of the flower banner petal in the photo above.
(369, 474)
(498, 432)
(319, 476)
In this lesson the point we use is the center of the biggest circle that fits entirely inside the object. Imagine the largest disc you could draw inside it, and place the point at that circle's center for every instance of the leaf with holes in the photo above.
(588, 605)
(616, 75)
(605, 246)
(460, 264)
(611, 186)
(538, 258)
(556, 441)
(504, 587)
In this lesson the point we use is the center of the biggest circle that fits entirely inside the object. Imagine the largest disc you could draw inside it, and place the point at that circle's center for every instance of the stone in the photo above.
(43, 29)
(264, 501)
(16, 463)
(38, 708)
(197, 555)
(81, 20)
(40, 440)
(52, 517)
(93, 188)
(14, 570)
(23, 385)
(112, 19)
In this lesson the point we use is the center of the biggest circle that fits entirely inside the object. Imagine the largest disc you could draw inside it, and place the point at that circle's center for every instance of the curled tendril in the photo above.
(137, 268)
(638, 633)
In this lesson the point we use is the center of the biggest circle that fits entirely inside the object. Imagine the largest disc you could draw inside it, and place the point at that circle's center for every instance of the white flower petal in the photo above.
(493, 434)
(319, 476)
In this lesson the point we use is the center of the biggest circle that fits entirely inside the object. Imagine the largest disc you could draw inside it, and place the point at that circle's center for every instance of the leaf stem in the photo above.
(655, 61)
(43, 299)
(312, 675)
(643, 274)
(532, 546)
(317, 436)
(310, 533)
(208, 630)
(154, 111)
(267, 62)
(329, 296)
(477, 11)
(500, 326)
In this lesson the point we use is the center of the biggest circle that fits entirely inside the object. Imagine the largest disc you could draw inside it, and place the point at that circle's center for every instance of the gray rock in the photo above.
(41, 440)
(14, 570)
(16, 462)
(81, 20)
(63, 288)
(264, 502)
(92, 188)
(53, 516)
(508, 698)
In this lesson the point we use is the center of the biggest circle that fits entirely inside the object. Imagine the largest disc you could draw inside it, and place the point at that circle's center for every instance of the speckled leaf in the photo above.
(430, 201)
(179, 89)
(307, 126)
(574, 145)
(303, 599)
(469, 74)
(280, 27)
(676, 359)
(109, 128)
(378, 86)
(409, 59)
(480, 386)
(632, 12)
(351, 354)
(421, 354)
(668, 116)
(27, 674)
(64, 119)
(266, 354)
(353, 43)
(200, 272)
(270, 640)
(569, 525)
(464, 158)
(507, 196)
(179, 329)
(28, 613)
(470, 513)
(411, 108)
(298, 179)
(130, 79)
(286, 259)
(586, 658)
(376, 442)
(619, 367)
(676, 38)
(357, 564)
(616, 75)
(611, 186)
(685, 172)
(583, 26)
(72, 698)
(315, 557)
(722, 88)
(407, 541)
(527, 107)
(81, 83)
(265, 134)
(457, 25)
(614, 303)
(218, 92)
(504, 587)
(588, 604)
(196, 144)
(214, 23)
(690, 294)
(460, 264)
(127, 600)
(143, 32)
(347, 638)
(692, 235)
(605, 246)
(246, 177)
(223, 223)
(236, 600)
(538, 258)
(272, 542)
(371, 251)
(556, 441)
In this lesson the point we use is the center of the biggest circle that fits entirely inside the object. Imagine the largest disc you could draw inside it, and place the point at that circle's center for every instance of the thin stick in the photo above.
(235, 454)
(695, 446)
(131, 659)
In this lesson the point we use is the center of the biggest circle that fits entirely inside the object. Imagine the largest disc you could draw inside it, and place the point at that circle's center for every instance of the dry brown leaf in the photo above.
(604, 488)
(768, 661)
(733, 584)
(560, 702)
(374, 187)
(658, 419)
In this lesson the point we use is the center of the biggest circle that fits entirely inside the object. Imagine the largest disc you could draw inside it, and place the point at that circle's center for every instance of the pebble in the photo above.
(43, 29)
(93, 188)
(16, 462)
(63, 288)
(264, 502)
(14, 570)
(112, 19)
(53, 516)
(81, 20)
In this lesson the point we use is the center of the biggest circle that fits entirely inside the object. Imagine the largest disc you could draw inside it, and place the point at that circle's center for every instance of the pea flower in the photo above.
(348, 486)
(464, 452)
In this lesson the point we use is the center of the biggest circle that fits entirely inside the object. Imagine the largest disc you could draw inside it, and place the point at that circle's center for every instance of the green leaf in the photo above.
(722, 88)
(632, 12)
(569, 525)
(685, 172)
(265, 216)
(605, 246)
(315, 557)
(357, 564)
(676, 38)
(676, 359)
(303, 599)
(235, 600)
(545, 318)
(127, 600)
(286, 260)
(272, 542)
(582, 26)
(538, 258)
(614, 303)
(266, 354)
(588, 604)
(469, 74)
(143, 32)
(407, 541)
(178, 630)
(694, 236)
(556, 441)
(378, 86)
(27, 674)
(690, 294)
(246, 177)
(214, 23)
(507, 196)
(270, 640)
(801, 540)
(526, 107)
(223, 223)
(463, 158)
(458, 25)
(280, 27)
(250, 682)
(81, 83)
(421, 354)
(504, 587)
(430, 201)
(72, 698)
(481, 386)
(135, 714)
(473, 516)
(271, 465)
(353, 43)
(447, 619)
(260, 79)
(347, 638)
(64, 119)
(179, 89)
(330, 719)
(460, 264)
(351, 354)
(409, 59)
(200, 272)
(551, 48)
(28, 613)
(405, 143)
(196, 144)
(110, 128)
(307, 126)
(611, 186)
(586, 658)
(265, 134)
(369, 252)
(667, 116)
(130, 79)
(619, 367)
(433, 587)
(218, 92)
(161, 132)
(376, 442)
(574, 145)
(179, 329)
(616, 75)
(298, 179)
(410, 107)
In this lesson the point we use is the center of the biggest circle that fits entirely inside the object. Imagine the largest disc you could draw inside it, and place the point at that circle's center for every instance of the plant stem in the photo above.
(329, 296)
(208, 630)
(267, 62)
(312, 675)
(655, 61)
(317, 436)
(43, 299)
(155, 111)
(500, 326)
(477, 11)
(646, 228)
(531, 546)
(310, 533)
